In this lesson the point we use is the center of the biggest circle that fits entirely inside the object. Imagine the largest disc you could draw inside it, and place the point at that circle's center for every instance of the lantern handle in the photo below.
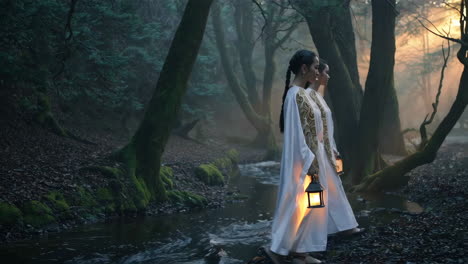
(314, 178)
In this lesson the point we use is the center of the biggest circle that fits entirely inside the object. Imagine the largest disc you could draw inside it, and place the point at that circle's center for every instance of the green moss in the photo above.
(110, 172)
(107, 200)
(139, 191)
(58, 201)
(84, 198)
(175, 196)
(36, 207)
(233, 155)
(187, 198)
(224, 163)
(209, 174)
(104, 195)
(37, 214)
(142, 194)
(167, 176)
(128, 206)
(9, 214)
(38, 220)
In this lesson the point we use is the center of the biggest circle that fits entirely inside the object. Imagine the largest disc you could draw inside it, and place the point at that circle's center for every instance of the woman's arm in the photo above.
(308, 127)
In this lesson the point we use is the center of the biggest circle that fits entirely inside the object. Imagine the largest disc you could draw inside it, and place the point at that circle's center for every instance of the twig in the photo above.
(263, 15)
(442, 36)
(67, 39)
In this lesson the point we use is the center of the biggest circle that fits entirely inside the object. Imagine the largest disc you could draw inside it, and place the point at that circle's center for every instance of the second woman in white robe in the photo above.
(341, 216)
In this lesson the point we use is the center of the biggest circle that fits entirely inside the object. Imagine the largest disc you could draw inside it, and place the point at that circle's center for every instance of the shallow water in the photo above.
(235, 231)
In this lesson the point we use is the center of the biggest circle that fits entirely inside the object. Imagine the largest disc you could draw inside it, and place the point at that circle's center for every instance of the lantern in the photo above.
(315, 193)
(339, 165)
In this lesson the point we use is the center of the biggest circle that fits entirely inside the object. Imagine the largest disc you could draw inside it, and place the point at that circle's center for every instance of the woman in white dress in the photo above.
(340, 215)
(296, 229)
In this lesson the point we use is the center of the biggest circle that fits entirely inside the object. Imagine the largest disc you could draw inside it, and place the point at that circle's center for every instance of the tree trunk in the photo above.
(143, 153)
(245, 45)
(390, 134)
(340, 87)
(394, 176)
(344, 35)
(262, 123)
(268, 76)
(379, 85)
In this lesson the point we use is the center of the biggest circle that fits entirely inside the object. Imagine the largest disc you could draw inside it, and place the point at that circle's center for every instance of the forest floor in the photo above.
(35, 162)
(439, 234)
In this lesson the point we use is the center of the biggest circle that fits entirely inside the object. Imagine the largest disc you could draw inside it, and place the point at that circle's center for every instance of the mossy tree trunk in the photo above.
(143, 153)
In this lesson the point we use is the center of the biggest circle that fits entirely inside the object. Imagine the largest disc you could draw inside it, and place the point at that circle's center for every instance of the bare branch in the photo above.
(432, 24)
(290, 30)
(442, 36)
(262, 11)
(422, 128)
(455, 8)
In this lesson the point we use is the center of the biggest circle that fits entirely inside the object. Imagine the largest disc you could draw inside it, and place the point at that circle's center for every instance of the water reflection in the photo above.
(245, 234)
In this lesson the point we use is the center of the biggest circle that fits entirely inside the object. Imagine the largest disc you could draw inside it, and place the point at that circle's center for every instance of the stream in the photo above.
(231, 234)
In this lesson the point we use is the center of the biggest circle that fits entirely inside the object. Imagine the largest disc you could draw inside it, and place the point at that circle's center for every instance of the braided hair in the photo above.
(298, 59)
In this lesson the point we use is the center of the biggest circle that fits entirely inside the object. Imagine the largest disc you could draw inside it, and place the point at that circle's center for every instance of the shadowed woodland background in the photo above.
(108, 98)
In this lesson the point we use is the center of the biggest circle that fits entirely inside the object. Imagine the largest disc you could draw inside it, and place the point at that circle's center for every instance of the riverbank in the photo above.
(47, 188)
(437, 234)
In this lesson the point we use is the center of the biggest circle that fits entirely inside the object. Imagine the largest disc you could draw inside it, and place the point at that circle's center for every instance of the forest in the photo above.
(148, 131)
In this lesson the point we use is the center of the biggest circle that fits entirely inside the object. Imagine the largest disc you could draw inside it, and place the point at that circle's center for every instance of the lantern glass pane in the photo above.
(314, 199)
(339, 165)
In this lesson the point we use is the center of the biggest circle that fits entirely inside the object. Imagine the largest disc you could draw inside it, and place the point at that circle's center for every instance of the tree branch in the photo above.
(256, 120)
(422, 128)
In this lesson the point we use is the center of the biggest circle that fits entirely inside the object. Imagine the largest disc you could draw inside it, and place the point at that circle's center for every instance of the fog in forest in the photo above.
(148, 131)
(418, 62)
(111, 67)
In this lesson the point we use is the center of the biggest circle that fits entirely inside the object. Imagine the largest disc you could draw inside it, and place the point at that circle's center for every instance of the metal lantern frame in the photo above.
(315, 187)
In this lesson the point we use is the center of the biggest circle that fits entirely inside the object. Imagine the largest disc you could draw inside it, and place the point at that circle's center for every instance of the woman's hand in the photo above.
(337, 154)
(312, 171)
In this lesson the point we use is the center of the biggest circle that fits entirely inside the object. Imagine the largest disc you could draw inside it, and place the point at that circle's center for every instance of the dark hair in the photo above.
(322, 65)
(298, 59)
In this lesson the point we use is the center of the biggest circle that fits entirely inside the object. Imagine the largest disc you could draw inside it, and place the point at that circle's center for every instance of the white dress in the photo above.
(341, 216)
(297, 228)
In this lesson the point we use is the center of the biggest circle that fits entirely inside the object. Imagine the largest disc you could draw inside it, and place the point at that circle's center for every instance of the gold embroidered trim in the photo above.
(308, 126)
(327, 143)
